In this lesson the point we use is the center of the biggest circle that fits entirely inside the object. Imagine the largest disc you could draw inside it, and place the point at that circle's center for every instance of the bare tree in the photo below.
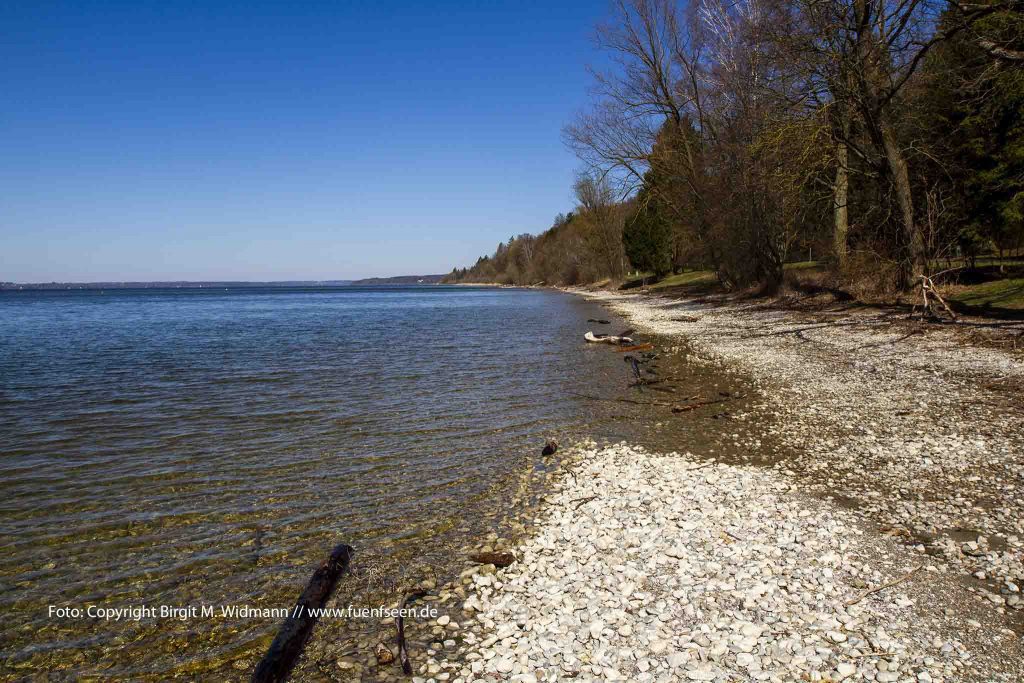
(598, 207)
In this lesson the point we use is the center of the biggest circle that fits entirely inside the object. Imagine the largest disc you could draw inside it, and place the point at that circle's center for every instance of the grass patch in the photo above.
(1007, 293)
(803, 265)
(694, 277)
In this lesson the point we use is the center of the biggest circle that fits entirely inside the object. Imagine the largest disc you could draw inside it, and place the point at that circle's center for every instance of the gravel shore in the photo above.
(902, 472)
(919, 431)
(663, 568)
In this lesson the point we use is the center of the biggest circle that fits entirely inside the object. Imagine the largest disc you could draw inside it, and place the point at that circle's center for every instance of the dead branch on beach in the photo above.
(403, 652)
(890, 584)
(287, 647)
(606, 339)
(927, 307)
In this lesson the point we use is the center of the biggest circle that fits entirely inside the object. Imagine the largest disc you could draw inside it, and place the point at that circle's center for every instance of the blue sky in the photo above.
(270, 141)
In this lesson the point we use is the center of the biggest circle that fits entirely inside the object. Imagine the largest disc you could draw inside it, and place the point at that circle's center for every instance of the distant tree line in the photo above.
(884, 135)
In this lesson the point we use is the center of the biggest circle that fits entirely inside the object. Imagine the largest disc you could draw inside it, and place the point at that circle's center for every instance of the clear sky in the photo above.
(286, 140)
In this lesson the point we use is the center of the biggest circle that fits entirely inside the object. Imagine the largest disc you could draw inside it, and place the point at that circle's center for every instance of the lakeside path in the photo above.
(902, 473)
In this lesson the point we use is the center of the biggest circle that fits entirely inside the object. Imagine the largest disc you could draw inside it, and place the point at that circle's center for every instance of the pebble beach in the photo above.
(886, 545)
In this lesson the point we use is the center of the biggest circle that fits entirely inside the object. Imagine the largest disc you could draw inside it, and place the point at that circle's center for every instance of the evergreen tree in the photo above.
(647, 236)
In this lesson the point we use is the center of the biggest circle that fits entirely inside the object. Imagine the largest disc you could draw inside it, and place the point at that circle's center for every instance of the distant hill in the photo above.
(397, 280)
(401, 280)
(171, 285)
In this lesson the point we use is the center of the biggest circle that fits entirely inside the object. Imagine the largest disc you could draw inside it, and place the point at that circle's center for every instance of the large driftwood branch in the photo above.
(287, 647)
(606, 339)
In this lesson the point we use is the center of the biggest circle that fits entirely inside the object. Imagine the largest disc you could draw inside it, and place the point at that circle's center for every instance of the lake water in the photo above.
(193, 446)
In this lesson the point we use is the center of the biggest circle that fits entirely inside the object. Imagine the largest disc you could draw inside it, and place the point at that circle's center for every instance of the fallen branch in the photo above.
(885, 585)
(287, 647)
(606, 339)
(582, 501)
(928, 287)
(403, 652)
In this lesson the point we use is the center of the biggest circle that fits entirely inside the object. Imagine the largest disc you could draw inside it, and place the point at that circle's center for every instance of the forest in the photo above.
(880, 140)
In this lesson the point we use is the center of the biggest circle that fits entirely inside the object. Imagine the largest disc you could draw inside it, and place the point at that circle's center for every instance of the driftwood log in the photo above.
(606, 338)
(497, 559)
(287, 647)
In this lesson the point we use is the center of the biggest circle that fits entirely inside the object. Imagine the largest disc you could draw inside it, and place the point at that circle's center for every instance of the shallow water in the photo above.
(197, 447)
(182, 447)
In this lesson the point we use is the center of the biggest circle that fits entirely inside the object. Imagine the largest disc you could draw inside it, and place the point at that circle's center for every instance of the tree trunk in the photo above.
(873, 72)
(916, 263)
(839, 200)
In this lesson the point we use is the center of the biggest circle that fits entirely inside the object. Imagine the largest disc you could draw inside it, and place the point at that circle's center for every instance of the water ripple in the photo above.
(177, 447)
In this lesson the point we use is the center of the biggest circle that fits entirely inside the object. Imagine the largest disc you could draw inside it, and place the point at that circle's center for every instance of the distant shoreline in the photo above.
(182, 284)
(402, 280)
